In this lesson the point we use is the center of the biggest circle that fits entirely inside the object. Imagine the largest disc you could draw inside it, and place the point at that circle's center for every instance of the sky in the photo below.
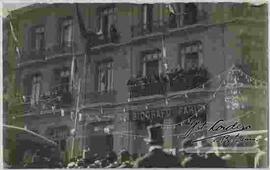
(9, 6)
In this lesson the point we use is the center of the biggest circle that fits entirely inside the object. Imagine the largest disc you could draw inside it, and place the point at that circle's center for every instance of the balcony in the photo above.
(32, 55)
(174, 22)
(57, 49)
(143, 88)
(56, 98)
(177, 80)
(50, 52)
(96, 97)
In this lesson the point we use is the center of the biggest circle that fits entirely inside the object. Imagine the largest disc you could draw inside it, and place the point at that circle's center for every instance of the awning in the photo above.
(24, 134)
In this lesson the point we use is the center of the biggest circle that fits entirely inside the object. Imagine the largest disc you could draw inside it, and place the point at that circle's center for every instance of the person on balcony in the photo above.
(113, 33)
(92, 38)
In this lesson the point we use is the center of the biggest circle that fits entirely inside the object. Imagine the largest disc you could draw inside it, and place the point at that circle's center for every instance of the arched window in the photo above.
(190, 16)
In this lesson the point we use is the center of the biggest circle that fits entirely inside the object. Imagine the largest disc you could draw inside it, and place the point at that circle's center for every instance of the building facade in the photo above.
(152, 63)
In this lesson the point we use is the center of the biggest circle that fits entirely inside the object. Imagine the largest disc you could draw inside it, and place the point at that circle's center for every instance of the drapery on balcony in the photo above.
(57, 97)
(176, 80)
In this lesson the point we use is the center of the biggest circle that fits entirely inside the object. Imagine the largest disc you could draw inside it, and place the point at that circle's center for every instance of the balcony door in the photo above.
(66, 32)
(152, 68)
(191, 55)
(192, 60)
(107, 19)
(152, 64)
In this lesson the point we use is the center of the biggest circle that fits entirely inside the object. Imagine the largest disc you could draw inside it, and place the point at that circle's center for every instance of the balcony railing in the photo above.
(177, 80)
(40, 54)
(67, 47)
(173, 22)
(56, 98)
(36, 54)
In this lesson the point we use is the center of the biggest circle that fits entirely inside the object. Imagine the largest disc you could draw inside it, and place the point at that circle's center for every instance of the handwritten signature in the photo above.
(220, 127)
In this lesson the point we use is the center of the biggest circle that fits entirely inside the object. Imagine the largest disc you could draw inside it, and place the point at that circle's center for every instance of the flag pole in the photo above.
(14, 35)
(76, 118)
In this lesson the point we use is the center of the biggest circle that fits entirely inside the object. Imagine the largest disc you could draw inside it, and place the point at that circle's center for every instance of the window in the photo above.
(191, 55)
(161, 14)
(61, 81)
(190, 14)
(64, 80)
(107, 20)
(152, 64)
(36, 85)
(66, 32)
(38, 38)
(147, 17)
(105, 76)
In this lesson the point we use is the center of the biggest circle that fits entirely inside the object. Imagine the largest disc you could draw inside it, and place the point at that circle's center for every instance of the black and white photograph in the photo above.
(137, 84)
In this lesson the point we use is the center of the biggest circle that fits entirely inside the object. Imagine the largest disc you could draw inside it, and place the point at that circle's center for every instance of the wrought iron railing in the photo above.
(40, 54)
(35, 54)
(57, 97)
(174, 81)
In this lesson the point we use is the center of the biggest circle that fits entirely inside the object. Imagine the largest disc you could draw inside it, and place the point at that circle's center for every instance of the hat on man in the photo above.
(124, 155)
(154, 135)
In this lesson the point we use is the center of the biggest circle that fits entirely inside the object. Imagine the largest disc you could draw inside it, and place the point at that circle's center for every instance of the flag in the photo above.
(171, 8)
(164, 55)
(73, 71)
(14, 36)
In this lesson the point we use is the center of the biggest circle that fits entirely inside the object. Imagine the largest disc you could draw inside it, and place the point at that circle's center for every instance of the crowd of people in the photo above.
(188, 78)
(200, 154)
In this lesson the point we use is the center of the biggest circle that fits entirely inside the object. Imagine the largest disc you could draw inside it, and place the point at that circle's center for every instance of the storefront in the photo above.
(98, 137)
(176, 121)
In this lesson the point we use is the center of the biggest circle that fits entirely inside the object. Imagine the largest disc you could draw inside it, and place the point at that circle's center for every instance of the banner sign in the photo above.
(179, 112)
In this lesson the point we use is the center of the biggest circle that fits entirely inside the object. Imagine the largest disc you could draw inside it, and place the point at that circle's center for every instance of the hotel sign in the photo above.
(169, 112)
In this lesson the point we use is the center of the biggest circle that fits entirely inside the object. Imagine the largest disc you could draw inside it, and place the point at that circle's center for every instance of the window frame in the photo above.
(188, 48)
(61, 41)
(112, 13)
(110, 81)
(151, 55)
(34, 37)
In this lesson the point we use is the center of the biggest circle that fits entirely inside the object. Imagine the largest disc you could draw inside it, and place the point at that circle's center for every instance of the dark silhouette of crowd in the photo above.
(174, 80)
(111, 160)
(41, 160)
(199, 154)
(193, 154)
